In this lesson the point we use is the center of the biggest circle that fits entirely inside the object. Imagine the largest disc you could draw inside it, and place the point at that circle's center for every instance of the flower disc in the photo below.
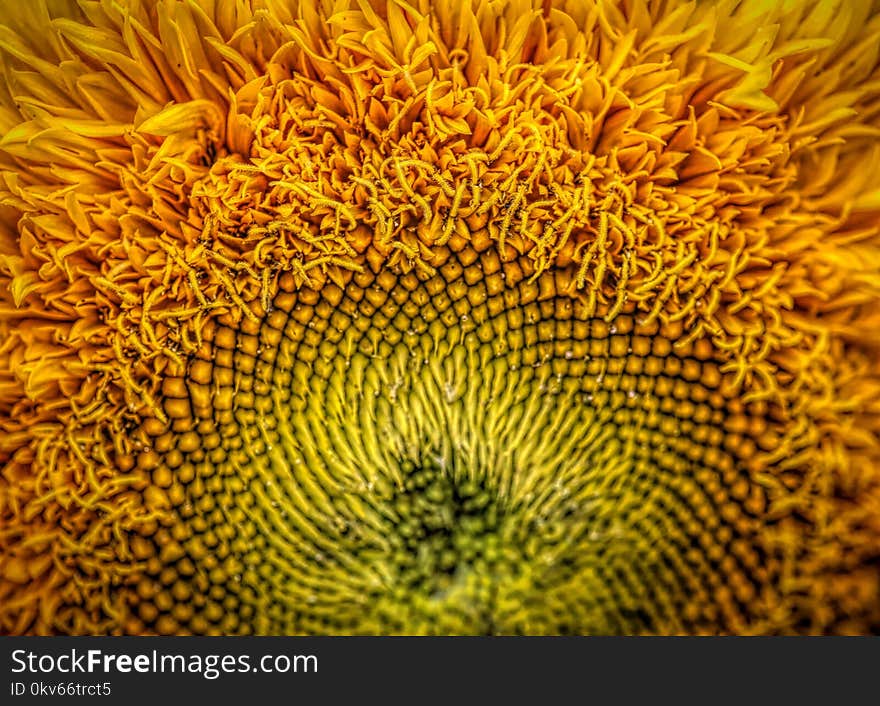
(467, 317)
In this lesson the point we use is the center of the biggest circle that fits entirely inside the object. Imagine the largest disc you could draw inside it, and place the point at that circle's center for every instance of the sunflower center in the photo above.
(413, 455)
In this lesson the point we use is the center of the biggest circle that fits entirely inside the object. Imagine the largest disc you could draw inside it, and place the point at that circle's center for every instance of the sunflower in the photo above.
(480, 316)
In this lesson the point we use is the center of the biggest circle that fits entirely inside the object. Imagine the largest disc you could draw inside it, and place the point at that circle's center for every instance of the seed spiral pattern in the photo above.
(435, 456)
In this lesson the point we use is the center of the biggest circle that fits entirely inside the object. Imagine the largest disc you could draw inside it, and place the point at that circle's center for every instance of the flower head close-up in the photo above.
(536, 317)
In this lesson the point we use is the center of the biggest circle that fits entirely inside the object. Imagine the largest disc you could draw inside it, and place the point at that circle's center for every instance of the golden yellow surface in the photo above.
(439, 318)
